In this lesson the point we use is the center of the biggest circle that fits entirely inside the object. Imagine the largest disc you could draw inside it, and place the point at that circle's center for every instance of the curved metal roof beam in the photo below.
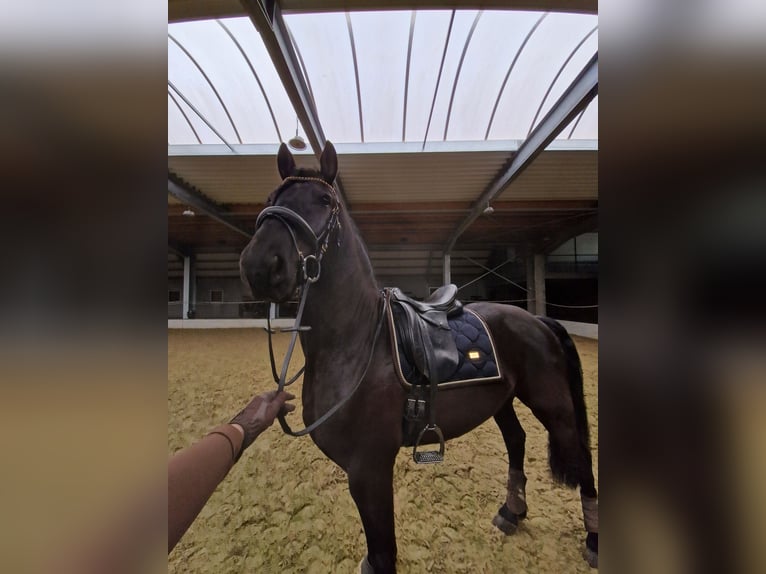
(508, 73)
(199, 114)
(438, 79)
(183, 113)
(302, 64)
(255, 75)
(459, 68)
(577, 121)
(210, 83)
(407, 74)
(356, 74)
(556, 77)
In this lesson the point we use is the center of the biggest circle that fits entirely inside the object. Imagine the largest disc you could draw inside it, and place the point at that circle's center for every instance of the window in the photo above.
(174, 295)
(216, 295)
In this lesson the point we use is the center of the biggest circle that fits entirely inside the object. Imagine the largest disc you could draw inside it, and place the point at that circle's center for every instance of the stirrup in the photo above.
(429, 456)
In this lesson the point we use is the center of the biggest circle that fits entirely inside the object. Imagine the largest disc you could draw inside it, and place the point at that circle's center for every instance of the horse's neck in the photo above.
(345, 301)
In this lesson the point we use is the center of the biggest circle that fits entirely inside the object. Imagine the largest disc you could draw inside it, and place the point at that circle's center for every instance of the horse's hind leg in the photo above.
(515, 506)
(557, 399)
(570, 458)
(371, 486)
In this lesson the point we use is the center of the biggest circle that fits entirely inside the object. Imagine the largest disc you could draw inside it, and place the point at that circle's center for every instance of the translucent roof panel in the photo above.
(395, 76)
(221, 79)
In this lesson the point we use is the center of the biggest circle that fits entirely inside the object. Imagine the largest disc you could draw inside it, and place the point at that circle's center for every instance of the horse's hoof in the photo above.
(591, 558)
(365, 567)
(591, 549)
(506, 521)
(505, 526)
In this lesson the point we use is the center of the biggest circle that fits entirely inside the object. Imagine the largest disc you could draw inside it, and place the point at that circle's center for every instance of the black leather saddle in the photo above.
(423, 329)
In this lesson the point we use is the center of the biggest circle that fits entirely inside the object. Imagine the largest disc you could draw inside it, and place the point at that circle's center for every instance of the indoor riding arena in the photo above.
(467, 151)
(285, 507)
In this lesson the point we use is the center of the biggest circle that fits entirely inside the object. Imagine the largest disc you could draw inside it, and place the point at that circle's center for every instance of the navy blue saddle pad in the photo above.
(476, 350)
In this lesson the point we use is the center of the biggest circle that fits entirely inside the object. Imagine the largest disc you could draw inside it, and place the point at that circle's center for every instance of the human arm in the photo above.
(195, 472)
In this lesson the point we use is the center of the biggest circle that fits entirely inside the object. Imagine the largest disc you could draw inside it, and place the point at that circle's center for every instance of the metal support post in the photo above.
(186, 287)
(530, 283)
(539, 284)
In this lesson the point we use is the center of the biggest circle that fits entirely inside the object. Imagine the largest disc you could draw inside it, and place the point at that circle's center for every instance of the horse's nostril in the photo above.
(276, 269)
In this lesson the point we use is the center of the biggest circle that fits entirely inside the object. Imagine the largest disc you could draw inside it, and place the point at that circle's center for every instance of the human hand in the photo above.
(260, 413)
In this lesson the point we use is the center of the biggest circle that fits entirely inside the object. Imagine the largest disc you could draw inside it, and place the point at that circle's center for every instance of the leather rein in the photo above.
(310, 267)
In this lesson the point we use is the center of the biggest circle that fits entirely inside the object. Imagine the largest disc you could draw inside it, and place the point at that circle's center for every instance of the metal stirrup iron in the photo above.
(430, 456)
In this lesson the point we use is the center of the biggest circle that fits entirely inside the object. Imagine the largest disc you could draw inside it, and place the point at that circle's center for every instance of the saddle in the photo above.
(423, 328)
(424, 331)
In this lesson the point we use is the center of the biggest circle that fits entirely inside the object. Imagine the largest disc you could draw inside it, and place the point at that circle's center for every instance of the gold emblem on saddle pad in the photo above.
(474, 355)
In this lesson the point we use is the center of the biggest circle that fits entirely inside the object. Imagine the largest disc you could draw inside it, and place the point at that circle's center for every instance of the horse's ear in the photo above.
(285, 162)
(328, 163)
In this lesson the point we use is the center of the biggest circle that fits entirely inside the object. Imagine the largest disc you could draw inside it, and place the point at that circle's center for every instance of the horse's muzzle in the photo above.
(267, 273)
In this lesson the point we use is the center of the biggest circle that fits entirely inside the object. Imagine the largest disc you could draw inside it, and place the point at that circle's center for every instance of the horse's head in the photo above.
(293, 230)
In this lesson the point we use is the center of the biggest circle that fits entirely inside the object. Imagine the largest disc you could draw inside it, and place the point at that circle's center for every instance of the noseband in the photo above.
(308, 265)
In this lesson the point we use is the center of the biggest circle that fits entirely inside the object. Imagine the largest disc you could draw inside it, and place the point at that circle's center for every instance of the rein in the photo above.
(283, 422)
(310, 268)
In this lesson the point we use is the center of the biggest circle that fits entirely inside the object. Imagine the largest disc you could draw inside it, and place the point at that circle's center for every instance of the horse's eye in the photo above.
(326, 199)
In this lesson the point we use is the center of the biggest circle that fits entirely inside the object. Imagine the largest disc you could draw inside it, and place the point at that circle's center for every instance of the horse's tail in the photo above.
(567, 467)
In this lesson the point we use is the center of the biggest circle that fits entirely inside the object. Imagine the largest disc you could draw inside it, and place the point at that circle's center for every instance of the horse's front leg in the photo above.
(371, 486)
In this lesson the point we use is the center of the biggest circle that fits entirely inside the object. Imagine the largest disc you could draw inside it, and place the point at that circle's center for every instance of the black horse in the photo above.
(304, 238)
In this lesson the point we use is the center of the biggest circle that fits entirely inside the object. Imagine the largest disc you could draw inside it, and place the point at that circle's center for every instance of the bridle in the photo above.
(309, 265)
(310, 268)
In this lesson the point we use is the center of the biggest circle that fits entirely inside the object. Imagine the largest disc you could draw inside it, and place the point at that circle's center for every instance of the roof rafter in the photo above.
(267, 18)
(576, 97)
(193, 198)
